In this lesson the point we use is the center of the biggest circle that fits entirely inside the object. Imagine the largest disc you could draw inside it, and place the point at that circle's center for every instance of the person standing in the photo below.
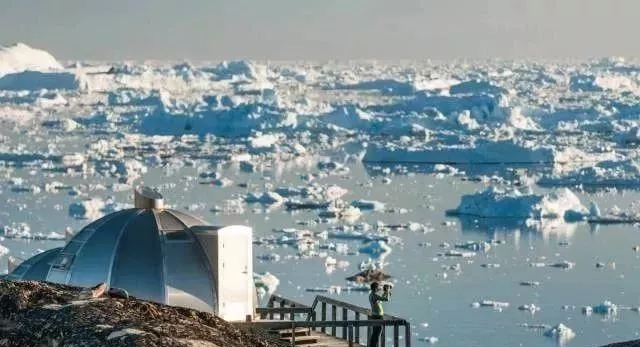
(375, 299)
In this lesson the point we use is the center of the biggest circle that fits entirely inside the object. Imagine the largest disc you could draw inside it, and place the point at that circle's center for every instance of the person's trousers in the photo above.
(376, 331)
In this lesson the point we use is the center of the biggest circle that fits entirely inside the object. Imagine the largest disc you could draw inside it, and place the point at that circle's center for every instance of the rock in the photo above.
(118, 293)
(93, 292)
(45, 314)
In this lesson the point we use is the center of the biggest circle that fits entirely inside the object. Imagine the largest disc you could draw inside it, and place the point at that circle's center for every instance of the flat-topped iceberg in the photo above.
(37, 80)
(608, 173)
(522, 204)
(482, 151)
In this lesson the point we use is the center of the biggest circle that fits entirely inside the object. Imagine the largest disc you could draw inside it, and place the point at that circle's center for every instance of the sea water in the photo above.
(434, 292)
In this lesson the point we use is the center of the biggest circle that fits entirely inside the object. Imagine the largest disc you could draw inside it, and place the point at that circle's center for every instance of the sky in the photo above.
(200, 30)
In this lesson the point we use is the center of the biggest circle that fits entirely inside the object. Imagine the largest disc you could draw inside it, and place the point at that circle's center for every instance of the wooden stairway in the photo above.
(309, 338)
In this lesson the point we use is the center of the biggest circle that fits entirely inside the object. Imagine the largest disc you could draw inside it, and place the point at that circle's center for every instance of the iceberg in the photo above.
(607, 173)
(37, 80)
(481, 152)
(522, 204)
(20, 57)
(560, 332)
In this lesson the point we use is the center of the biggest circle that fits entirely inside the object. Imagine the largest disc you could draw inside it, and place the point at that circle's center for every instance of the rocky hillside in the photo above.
(45, 314)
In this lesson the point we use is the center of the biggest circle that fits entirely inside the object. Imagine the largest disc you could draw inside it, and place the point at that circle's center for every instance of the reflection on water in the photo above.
(496, 227)
(421, 292)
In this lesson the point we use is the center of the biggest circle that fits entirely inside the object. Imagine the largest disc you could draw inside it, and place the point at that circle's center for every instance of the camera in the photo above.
(387, 287)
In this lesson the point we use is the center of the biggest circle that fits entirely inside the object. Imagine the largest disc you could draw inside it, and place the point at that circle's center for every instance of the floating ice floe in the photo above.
(306, 205)
(563, 265)
(371, 265)
(566, 265)
(267, 282)
(93, 208)
(430, 339)
(263, 141)
(410, 226)
(340, 248)
(484, 151)
(267, 198)
(333, 262)
(376, 249)
(496, 305)
(223, 182)
(442, 170)
(614, 215)
(544, 327)
(606, 308)
(608, 173)
(130, 169)
(491, 265)
(532, 308)
(54, 187)
(17, 230)
(514, 203)
(333, 192)
(560, 332)
(75, 159)
(360, 231)
(338, 289)
(271, 257)
(474, 246)
(229, 207)
(453, 253)
(368, 205)
(23, 231)
(3, 250)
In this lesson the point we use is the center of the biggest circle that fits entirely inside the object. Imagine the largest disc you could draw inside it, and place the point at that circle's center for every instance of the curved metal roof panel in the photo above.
(155, 254)
(138, 263)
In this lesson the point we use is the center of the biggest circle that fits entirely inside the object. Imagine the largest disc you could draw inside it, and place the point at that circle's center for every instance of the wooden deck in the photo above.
(327, 322)
(305, 337)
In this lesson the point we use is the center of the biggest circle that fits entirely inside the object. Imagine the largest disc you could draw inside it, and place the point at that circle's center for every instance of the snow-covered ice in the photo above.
(515, 203)
(20, 57)
(285, 140)
(266, 281)
(560, 332)
(376, 249)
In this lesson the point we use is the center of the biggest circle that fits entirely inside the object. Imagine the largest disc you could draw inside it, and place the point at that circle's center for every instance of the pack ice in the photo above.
(261, 114)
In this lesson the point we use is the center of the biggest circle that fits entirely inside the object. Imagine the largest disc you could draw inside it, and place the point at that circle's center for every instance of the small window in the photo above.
(178, 235)
(63, 261)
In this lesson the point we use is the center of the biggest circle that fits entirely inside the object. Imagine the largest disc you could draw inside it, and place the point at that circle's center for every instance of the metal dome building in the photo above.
(156, 254)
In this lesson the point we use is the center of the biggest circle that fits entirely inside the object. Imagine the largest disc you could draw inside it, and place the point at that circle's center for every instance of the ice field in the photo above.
(500, 195)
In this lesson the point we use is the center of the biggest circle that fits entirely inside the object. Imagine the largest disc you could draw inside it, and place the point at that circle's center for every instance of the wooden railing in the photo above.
(352, 318)
(354, 322)
(279, 308)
